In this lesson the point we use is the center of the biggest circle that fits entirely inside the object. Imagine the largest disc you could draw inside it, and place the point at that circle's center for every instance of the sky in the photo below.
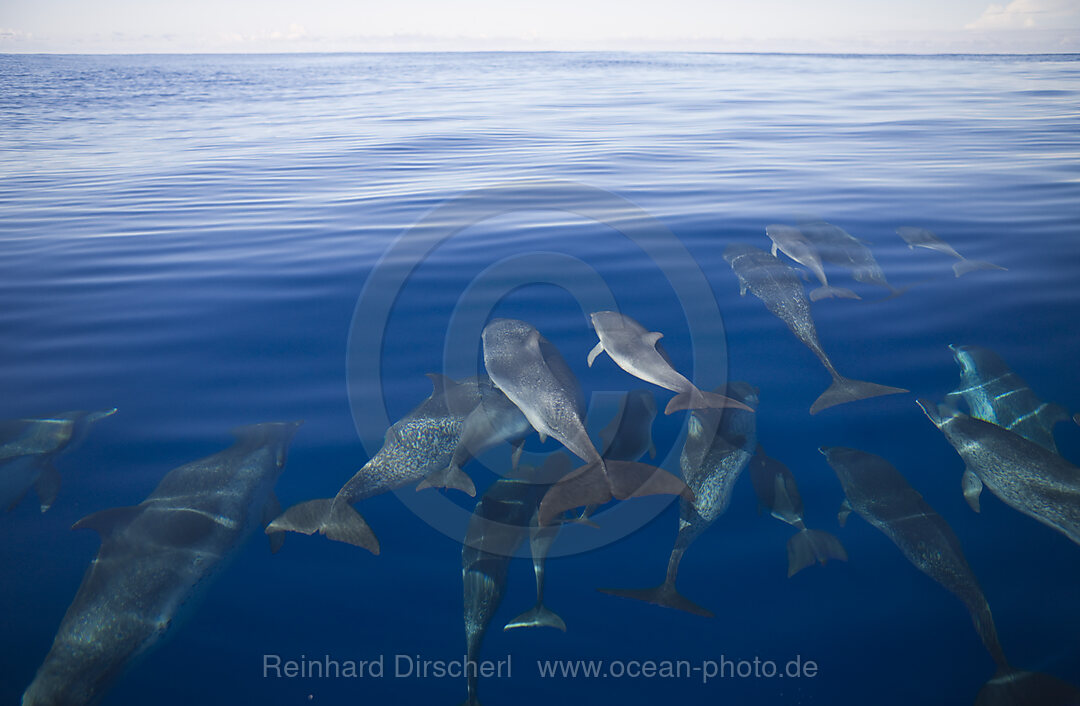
(920, 26)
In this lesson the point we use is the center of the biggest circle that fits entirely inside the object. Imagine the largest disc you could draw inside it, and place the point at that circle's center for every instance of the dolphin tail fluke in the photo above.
(539, 616)
(829, 292)
(810, 546)
(337, 520)
(599, 482)
(664, 594)
(964, 266)
(845, 390)
(1018, 688)
(449, 477)
(699, 399)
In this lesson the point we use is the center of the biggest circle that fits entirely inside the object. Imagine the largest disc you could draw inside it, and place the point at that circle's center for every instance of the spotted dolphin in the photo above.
(794, 244)
(923, 238)
(995, 394)
(879, 494)
(836, 245)
(1026, 476)
(534, 375)
(718, 447)
(779, 288)
(153, 557)
(634, 349)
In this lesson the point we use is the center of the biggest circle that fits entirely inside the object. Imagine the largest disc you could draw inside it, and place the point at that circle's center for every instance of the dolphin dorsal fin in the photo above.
(441, 383)
(652, 337)
(106, 522)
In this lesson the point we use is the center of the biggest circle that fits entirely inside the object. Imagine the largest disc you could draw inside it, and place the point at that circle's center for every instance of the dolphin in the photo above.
(718, 447)
(504, 516)
(995, 394)
(29, 448)
(634, 349)
(880, 494)
(629, 435)
(534, 375)
(778, 287)
(1026, 476)
(923, 238)
(776, 490)
(793, 243)
(423, 444)
(152, 558)
(836, 245)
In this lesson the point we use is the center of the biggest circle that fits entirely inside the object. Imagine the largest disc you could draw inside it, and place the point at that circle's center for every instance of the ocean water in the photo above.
(210, 241)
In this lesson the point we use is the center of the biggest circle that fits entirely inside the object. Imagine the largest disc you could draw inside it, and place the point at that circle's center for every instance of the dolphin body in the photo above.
(629, 435)
(779, 288)
(880, 494)
(504, 516)
(995, 394)
(836, 245)
(923, 238)
(534, 375)
(29, 448)
(425, 445)
(794, 244)
(152, 558)
(718, 447)
(1026, 476)
(634, 349)
(776, 490)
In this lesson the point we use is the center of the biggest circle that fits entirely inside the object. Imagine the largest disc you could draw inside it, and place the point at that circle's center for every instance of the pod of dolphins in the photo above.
(156, 555)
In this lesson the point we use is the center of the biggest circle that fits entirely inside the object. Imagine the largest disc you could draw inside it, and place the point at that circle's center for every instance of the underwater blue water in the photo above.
(186, 237)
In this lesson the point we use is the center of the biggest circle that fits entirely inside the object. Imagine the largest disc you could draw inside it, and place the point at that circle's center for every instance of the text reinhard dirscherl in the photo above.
(402, 666)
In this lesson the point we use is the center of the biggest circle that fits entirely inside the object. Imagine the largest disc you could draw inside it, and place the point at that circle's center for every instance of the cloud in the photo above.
(1025, 14)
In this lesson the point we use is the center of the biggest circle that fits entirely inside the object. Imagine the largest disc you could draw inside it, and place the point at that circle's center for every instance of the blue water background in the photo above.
(185, 238)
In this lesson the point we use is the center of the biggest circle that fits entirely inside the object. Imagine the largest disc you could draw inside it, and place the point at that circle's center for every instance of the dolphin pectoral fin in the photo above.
(931, 410)
(47, 486)
(337, 520)
(449, 477)
(543, 437)
(663, 595)
(809, 546)
(845, 390)
(845, 512)
(1018, 688)
(965, 266)
(537, 617)
(272, 509)
(106, 522)
(829, 292)
(698, 399)
(597, 350)
(515, 455)
(972, 488)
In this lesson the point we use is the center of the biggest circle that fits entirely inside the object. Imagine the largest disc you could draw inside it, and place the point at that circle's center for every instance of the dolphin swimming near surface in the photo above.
(153, 557)
(29, 448)
(718, 447)
(923, 238)
(879, 494)
(779, 288)
(534, 375)
(836, 245)
(422, 444)
(629, 435)
(1027, 477)
(634, 349)
(793, 243)
(995, 394)
(776, 490)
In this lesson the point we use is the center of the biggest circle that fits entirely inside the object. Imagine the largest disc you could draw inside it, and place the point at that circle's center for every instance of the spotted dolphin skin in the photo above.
(1027, 477)
(779, 288)
(535, 376)
(29, 449)
(923, 238)
(995, 394)
(793, 243)
(634, 349)
(879, 494)
(152, 558)
(718, 446)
